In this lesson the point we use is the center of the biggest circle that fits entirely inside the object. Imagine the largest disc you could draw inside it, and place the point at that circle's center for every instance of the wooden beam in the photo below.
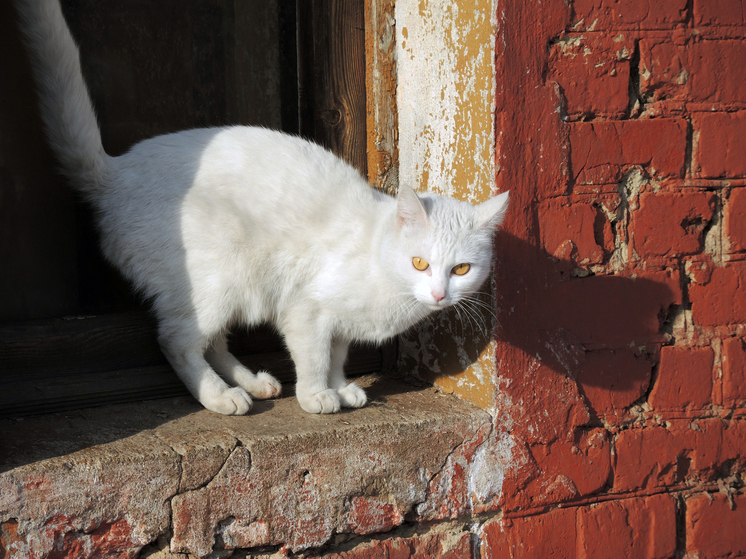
(380, 79)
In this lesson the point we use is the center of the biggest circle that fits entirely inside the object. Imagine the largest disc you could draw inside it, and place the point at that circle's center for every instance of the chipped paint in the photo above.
(445, 95)
(445, 98)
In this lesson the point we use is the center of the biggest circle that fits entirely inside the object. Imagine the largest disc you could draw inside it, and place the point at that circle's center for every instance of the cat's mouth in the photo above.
(439, 305)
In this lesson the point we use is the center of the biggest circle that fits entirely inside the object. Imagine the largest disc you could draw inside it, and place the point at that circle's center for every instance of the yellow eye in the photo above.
(461, 269)
(420, 264)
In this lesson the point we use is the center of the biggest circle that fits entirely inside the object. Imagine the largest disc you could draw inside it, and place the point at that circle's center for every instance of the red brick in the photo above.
(704, 447)
(655, 457)
(641, 527)
(613, 380)
(733, 449)
(733, 355)
(593, 74)
(645, 458)
(720, 144)
(603, 151)
(714, 530)
(535, 537)
(366, 515)
(569, 231)
(719, 12)
(699, 72)
(735, 219)
(684, 379)
(571, 469)
(442, 545)
(671, 224)
(722, 300)
(632, 14)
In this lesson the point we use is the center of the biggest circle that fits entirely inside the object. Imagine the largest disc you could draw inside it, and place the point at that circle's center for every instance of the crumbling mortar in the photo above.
(713, 233)
(637, 101)
(345, 542)
(689, 150)
(415, 505)
(680, 503)
(629, 187)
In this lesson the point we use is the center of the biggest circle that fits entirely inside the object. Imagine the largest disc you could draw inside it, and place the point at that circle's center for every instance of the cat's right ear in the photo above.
(409, 209)
(492, 212)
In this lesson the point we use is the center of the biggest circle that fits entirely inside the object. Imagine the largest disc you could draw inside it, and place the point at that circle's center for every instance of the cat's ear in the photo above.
(492, 212)
(409, 209)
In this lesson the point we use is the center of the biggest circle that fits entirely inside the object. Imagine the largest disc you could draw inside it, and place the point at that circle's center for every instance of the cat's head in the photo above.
(445, 246)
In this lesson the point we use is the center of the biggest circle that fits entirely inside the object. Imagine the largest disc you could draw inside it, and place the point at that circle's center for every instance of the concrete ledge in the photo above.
(111, 480)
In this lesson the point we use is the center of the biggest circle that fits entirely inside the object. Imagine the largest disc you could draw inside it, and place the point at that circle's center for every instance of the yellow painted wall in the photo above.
(445, 97)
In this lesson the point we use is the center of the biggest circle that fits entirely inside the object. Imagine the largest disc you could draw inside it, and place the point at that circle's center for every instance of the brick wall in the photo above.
(622, 353)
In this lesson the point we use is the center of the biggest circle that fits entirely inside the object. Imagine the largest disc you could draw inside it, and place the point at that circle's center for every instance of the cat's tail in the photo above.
(66, 107)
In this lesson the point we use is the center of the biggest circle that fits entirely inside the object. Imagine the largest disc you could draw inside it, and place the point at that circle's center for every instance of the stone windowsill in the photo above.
(117, 477)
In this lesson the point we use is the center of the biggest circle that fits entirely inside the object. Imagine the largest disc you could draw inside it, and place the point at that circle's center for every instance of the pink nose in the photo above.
(438, 296)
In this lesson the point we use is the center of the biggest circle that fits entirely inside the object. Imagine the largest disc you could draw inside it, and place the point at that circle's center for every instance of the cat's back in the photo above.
(251, 167)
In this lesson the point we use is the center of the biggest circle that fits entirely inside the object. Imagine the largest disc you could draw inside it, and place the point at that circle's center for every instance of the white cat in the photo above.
(232, 225)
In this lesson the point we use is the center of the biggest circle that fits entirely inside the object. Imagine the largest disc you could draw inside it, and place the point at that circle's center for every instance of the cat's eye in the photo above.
(460, 269)
(420, 264)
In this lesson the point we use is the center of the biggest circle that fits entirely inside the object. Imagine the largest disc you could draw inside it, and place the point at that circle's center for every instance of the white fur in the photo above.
(246, 225)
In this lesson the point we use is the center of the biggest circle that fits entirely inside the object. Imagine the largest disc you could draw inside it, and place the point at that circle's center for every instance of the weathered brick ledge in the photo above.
(108, 481)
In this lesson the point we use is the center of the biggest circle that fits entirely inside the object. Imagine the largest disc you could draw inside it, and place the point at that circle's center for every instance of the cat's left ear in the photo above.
(492, 212)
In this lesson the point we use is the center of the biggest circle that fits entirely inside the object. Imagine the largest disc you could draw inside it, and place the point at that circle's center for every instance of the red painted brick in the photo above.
(707, 449)
(733, 355)
(671, 224)
(570, 231)
(733, 449)
(571, 469)
(603, 151)
(713, 530)
(735, 219)
(645, 458)
(698, 72)
(612, 380)
(655, 457)
(366, 515)
(535, 537)
(442, 545)
(632, 14)
(721, 301)
(720, 12)
(642, 527)
(593, 74)
(720, 144)
(684, 379)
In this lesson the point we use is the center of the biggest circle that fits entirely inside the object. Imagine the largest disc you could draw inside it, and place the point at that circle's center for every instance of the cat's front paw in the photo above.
(326, 401)
(266, 386)
(352, 396)
(232, 401)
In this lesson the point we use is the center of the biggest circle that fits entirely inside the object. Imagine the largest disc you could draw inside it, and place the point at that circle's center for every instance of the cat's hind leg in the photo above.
(202, 381)
(350, 394)
(261, 385)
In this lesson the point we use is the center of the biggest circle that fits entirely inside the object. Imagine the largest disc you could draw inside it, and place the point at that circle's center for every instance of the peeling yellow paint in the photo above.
(445, 97)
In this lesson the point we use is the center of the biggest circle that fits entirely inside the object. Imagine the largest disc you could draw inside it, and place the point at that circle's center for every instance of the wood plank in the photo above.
(30, 395)
(380, 79)
(332, 76)
(101, 343)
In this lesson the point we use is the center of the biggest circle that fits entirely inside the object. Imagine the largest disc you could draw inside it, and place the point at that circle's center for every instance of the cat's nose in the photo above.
(438, 295)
